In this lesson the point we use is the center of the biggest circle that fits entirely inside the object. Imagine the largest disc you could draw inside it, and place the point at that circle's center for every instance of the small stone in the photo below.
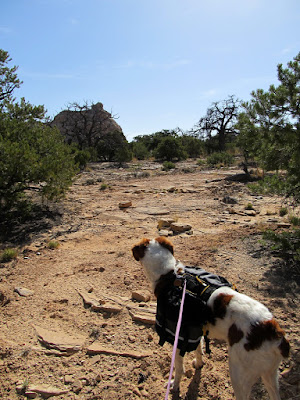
(140, 296)
(68, 379)
(164, 232)
(178, 228)
(24, 292)
(165, 222)
(251, 213)
(125, 204)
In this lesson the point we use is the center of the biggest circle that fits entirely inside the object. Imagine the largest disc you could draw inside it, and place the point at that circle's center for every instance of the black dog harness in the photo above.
(199, 287)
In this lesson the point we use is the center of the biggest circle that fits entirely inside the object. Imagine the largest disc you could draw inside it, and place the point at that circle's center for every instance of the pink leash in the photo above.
(176, 341)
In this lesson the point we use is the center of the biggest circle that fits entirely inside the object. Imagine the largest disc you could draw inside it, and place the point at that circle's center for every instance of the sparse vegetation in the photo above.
(283, 211)
(8, 255)
(53, 244)
(167, 165)
(220, 159)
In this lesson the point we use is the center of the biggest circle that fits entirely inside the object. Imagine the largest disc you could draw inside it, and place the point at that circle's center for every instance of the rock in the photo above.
(140, 296)
(164, 232)
(107, 307)
(24, 292)
(68, 379)
(165, 223)
(60, 340)
(125, 204)
(251, 213)
(143, 317)
(43, 390)
(71, 122)
(178, 228)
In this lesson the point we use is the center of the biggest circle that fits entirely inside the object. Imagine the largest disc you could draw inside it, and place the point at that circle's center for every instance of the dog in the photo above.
(256, 342)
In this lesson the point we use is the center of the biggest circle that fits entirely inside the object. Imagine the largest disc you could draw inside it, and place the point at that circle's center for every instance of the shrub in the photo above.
(283, 211)
(167, 165)
(294, 220)
(269, 185)
(220, 159)
(8, 255)
(53, 244)
(287, 246)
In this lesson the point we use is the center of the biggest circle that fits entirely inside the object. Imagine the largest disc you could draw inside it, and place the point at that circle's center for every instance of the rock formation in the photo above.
(85, 124)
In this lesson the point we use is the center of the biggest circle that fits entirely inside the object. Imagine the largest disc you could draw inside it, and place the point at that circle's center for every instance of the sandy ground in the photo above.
(81, 332)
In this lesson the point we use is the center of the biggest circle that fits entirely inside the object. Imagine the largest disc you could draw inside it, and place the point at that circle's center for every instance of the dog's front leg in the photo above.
(179, 370)
(198, 361)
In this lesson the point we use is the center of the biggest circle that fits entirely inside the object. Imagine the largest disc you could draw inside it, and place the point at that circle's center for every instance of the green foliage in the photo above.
(283, 211)
(180, 145)
(81, 157)
(114, 147)
(287, 246)
(32, 155)
(140, 150)
(53, 244)
(220, 159)
(167, 165)
(294, 220)
(273, 184)
(8, 255)
(193, 146)
(169, 149)
(8, 79)
(270, 124)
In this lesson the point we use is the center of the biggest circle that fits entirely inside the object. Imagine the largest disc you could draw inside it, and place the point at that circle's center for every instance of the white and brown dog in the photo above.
(256, 342)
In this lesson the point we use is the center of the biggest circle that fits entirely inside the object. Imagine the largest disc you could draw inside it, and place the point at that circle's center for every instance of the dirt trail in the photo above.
(80, 335)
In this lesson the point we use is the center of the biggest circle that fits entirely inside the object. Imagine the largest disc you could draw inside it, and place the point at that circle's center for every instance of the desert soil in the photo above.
(84, 329)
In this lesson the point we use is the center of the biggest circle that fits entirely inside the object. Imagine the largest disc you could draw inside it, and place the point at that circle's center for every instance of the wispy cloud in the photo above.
(47, 75)
(5, 30)
(154, 65)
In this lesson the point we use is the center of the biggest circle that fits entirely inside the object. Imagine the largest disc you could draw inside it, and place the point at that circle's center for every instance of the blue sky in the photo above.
(156, 64)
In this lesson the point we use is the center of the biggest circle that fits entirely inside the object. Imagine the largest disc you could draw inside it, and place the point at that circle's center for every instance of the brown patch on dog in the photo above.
(138, 250)
(220, 305)
(234, 335)
(163, 281)
(266, 330)
(163, 241)
(284, 347)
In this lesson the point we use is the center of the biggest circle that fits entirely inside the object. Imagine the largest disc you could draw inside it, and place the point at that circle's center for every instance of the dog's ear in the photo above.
(138, 250)
(163, 241)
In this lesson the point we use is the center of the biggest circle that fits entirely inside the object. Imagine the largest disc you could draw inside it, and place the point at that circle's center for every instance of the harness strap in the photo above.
(176, 341)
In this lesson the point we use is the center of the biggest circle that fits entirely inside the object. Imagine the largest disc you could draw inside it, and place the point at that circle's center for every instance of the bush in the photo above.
(283, 211)
(8, 255)
(169, 149)
(287, 246)
(269, 185)
(53, 244)
(220, 159)
(167, 165)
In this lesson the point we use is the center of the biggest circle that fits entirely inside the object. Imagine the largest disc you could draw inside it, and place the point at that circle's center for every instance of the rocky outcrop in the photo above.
(85, 124)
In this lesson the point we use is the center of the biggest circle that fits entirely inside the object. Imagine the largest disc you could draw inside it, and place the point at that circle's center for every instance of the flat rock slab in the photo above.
(152, 210)
(24, 292)
(97, 348)
(59, 340)
(143, 317)
(178, 228)
(99, 305)
(44, 391)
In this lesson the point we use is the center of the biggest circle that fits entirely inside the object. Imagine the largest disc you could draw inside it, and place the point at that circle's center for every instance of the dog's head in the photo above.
(156, 256)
